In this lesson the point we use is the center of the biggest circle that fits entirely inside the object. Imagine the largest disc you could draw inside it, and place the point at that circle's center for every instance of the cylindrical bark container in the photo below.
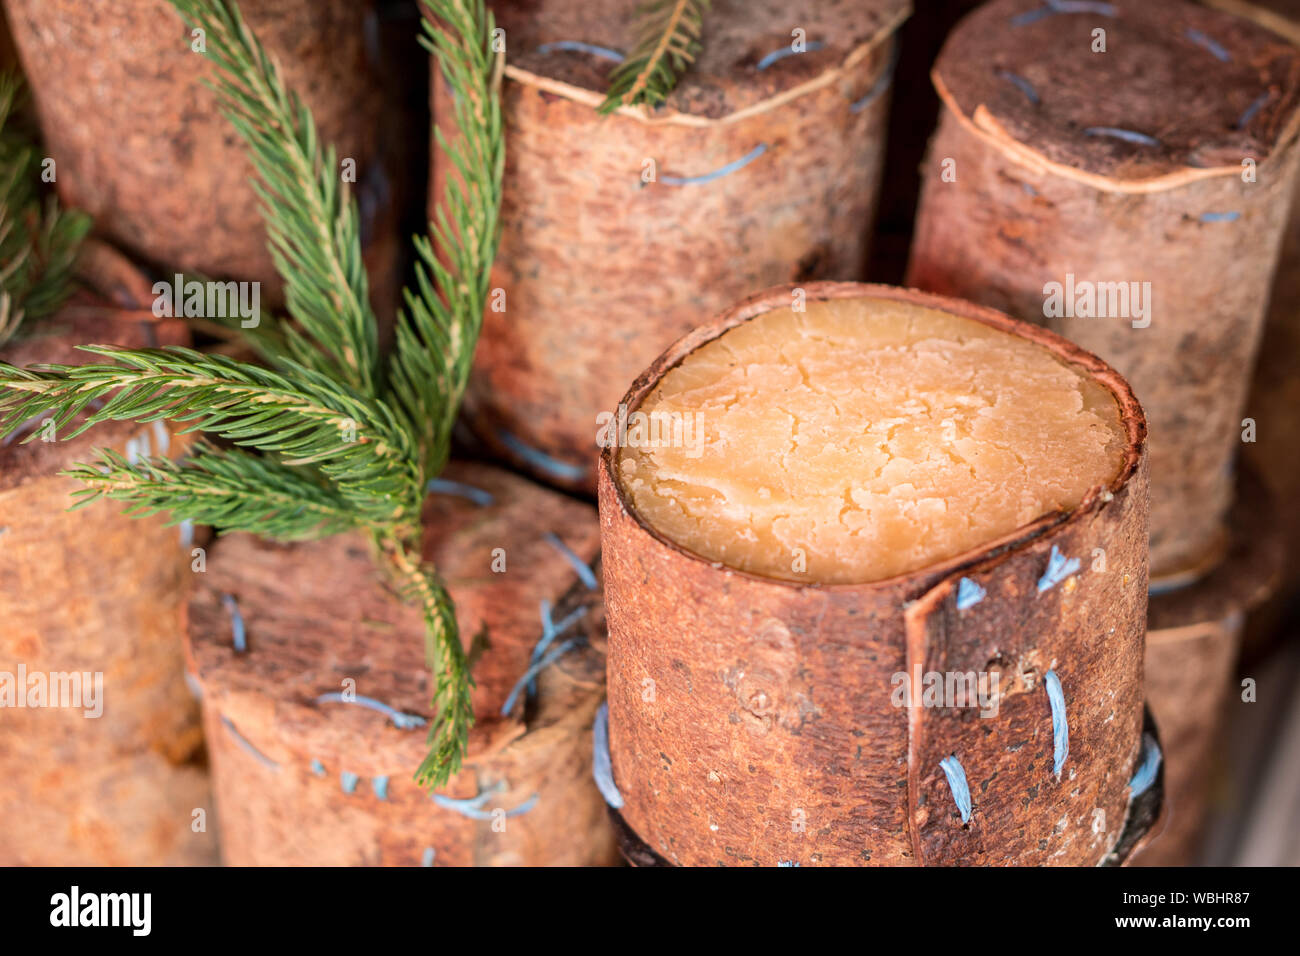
(140, 144)
(1193, 636)
(618, 232)
(92, 604)
(1132, 200)
(304, 777)
(772, 701)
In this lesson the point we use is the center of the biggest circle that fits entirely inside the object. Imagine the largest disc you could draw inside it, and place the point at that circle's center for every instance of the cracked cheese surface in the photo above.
(862, 439)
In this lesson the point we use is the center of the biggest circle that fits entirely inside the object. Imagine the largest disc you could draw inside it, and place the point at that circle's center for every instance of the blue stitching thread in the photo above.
(318, 768)
(1209, 43)
(787, 863)
(579, 566)
(878, 88)
(533, 671)
(445, 486)
(577, 46)
(602, 771)
(348, 781)
(380, 785)
(430, 854)
(539, 459)
(195, 688)
(1058, 569)
(1146, 771)
(238, 636)
(968, 594)
(786, 51)
(186, 532)
(473, 807)
(1060, 728)
(1127, 135)
(550, 631)
(1062, 6)
(400, 720)
(718, 173)
(248, 745)
(1020, 83)
(1252, 109)
(1220, 216)
(952, 769)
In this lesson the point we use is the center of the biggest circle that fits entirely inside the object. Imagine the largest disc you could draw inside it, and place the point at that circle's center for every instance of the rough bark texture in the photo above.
(753, 721)
(94, 591)
(602, 269)
(1035, 201)
(1193, 637)
(139, 142)
(317, 615)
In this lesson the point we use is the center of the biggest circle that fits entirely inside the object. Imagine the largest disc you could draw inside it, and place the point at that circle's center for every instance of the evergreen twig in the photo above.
(667, 40)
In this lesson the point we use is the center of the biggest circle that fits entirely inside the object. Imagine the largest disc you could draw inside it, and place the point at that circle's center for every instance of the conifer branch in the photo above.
(438, 330)
(221, 487)
(311, 218)
(38, 240)
(667, 40)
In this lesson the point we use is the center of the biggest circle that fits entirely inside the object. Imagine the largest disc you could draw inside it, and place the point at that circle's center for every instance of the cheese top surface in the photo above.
(861, 439)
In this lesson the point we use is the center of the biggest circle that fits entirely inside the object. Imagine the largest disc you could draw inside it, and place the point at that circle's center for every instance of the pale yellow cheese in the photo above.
(861, 439)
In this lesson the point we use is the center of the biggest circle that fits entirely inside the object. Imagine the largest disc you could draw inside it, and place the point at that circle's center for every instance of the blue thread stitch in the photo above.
(430, 854)
(1220, 216)
(602, 771)
(1127, 135)
(1060, 728)
(550, 631)
(878, 88)
(1020, 83)
(473, 807)
(348, 781)
(186, 530)
(1146, 771)
(1252, 109)
(318, 768)
(952, 769)
(238, 636)
(1058, 569)
(247, 745)
(400, 720)
(539, 459)
(718, 173)
(787, 863)
(380, 785)
(579, 567)
(577, 46)
(445, 486)
(1062, 6)
(1209, 43)
(968, 594)
(533, 671)
(786, 51)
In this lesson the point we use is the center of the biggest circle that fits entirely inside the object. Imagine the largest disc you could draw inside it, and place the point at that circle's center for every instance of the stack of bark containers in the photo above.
(618, 232)
(1161, 168)
(140, 143)
(95, 592)
(1274, 402)
(315, 689)
(772, 700)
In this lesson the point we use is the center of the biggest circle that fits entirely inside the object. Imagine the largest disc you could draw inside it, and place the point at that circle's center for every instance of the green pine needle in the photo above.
(220, 487)
(667, 40)
(311, 218)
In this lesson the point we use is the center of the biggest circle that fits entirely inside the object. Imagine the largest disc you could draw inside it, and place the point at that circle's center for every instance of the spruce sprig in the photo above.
(329, 442)
(311, 221)
(39, 241)
(667, 40)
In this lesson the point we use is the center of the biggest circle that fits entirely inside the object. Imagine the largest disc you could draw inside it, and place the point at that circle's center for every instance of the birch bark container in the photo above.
(140, 143)
(304, 776)
(618, 232)
(1150, 184)
(1193, 638)
(754, 720)
(92, 603)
